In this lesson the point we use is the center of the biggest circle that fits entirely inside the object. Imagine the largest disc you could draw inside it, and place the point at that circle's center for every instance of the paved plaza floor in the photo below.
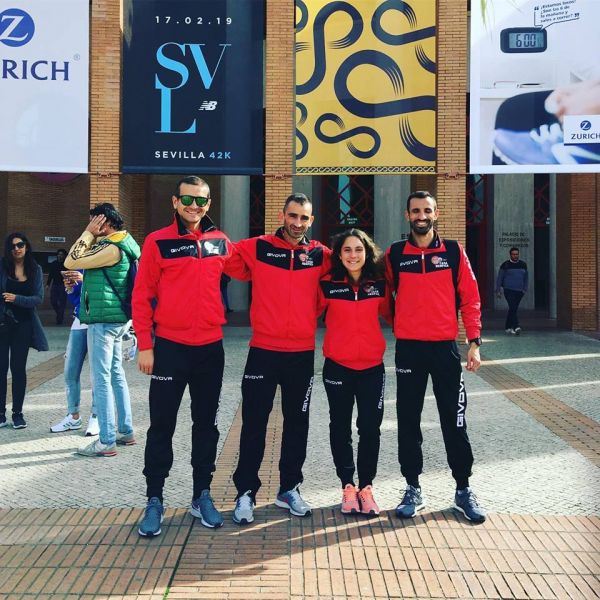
(68, 523)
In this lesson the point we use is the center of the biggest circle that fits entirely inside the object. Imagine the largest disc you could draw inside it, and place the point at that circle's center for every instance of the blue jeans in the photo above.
(108, 379)
(74, 359)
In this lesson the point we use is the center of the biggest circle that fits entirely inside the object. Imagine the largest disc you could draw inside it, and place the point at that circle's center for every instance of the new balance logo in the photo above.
(208, 105)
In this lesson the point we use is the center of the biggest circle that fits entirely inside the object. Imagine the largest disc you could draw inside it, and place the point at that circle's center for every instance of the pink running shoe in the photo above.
(350, 504)
(368, 506)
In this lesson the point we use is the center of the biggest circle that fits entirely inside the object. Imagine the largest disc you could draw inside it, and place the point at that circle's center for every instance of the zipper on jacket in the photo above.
(357, 345)
(288, 327)
(423, 261)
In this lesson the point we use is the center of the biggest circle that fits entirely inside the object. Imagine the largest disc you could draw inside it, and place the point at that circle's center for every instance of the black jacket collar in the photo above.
(435, 243)
(206, 225)
(303, 242)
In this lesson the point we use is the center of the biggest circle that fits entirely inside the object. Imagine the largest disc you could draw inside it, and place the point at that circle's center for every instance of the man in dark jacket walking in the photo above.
(513, 279)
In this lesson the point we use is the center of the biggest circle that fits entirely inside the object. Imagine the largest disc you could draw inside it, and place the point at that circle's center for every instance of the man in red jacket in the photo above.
(285, 269)
(177, 295)
(432, 278)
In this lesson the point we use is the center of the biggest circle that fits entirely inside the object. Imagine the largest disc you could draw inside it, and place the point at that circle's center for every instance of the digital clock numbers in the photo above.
(523, 40)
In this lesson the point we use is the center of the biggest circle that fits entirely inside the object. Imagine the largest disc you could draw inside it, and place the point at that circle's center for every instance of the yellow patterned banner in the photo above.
(365, 86)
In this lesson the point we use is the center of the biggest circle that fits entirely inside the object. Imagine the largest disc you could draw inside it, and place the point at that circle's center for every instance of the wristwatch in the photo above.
(476, 340)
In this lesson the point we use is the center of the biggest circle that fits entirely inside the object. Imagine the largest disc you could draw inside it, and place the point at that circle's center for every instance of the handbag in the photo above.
(7, 316)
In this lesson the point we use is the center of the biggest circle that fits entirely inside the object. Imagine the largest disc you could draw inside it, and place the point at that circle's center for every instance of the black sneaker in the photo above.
(466, 502)
(411, 503)
(19, 421)
(3, 422)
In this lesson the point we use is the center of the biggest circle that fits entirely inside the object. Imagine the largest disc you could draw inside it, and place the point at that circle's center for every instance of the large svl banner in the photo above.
(44, 81)
(535, 86)
(193, 86)
(365, 86)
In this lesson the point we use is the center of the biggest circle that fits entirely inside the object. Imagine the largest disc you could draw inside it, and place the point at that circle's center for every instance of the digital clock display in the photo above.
(526, 40)
(523, 39)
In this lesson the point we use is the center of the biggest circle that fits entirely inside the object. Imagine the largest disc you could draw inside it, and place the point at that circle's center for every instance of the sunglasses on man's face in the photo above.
(19, 245)
(187, 200)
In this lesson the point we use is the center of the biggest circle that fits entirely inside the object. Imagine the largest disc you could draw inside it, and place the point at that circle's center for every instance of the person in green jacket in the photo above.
(105, 251)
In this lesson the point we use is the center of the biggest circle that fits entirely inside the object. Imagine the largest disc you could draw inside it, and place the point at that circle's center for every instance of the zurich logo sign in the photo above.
(16, 27)
(585, 125)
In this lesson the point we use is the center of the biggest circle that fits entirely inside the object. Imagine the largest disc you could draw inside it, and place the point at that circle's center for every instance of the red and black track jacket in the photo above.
(426, 300)
(353, 337)
(177, 288)
(285, 281)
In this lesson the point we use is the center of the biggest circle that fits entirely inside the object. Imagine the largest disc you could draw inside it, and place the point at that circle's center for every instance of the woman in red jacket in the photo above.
(354, 294)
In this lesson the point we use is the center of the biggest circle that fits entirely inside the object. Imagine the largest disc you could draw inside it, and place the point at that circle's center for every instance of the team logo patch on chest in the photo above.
(305, 259)
(439, 262)
(216, 247)
(372, 290)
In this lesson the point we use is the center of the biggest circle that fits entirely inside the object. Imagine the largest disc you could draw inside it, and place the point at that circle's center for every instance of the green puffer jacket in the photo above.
(99, 303)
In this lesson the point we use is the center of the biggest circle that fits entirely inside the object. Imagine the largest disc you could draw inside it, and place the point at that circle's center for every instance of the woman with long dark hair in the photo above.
(21, 290)
(354, 295)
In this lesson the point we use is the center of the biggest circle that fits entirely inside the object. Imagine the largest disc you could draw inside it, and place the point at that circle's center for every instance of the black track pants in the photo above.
(14, 349)
(343, 385)
(175, 367)
(513, 298)
(265, 369)
(415, 361)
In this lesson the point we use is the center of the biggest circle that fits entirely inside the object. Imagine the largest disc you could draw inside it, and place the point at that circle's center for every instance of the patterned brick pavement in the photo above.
(96, 553)
(39, 374)
(579, 431)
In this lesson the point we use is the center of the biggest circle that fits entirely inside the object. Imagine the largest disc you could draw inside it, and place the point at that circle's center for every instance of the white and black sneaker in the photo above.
(244, 509)
(18, 421)
(93, 427)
